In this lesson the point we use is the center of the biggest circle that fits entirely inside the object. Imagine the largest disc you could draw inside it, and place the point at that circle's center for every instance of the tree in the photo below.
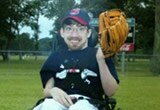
(143, 11)
(46, 44)
(55, 9)
(155, 62)
(13, 14)
(25, 41)
(96, 7)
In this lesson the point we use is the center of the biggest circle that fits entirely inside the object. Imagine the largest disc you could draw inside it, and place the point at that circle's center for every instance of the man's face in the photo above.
(75, 36)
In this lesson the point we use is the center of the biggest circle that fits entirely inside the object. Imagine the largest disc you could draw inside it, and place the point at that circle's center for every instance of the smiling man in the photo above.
(75, 30)
(74, 75)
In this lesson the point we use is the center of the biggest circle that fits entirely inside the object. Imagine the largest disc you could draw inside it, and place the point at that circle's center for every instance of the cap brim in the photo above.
(78, 19)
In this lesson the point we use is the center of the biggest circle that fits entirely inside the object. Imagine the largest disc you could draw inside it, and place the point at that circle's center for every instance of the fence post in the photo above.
(123, 62)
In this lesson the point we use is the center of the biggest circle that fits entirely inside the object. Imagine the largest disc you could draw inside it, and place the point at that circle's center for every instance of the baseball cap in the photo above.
(79, 15)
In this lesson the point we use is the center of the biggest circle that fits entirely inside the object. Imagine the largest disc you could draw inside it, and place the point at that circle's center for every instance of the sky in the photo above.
(45, 27)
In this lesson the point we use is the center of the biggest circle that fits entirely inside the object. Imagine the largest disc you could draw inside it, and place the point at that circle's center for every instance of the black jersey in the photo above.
(76, 72)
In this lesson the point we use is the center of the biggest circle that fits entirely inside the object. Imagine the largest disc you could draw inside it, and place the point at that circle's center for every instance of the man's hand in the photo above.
(62, 97)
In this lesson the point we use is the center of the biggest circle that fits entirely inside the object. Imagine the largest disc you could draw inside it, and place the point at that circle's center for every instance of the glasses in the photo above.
(79, 29)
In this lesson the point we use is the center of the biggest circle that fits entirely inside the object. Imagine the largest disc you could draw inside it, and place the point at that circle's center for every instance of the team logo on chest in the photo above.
(84, 74)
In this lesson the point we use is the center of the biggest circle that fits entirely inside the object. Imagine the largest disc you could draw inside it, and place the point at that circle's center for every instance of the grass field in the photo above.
(20, 86)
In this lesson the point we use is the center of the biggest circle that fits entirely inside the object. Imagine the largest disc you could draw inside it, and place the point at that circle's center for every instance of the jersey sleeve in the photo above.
(47, 71)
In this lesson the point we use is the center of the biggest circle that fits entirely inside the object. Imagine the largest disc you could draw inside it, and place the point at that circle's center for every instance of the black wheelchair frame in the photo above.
(110, 104)
(106, 104)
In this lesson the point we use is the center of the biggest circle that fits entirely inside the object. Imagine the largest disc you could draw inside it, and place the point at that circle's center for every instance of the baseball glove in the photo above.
(113, 31)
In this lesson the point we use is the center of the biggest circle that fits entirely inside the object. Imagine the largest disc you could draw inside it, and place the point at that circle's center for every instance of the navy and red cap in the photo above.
(79, 15)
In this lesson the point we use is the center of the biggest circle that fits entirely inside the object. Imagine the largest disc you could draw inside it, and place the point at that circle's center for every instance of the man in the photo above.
(77, 71)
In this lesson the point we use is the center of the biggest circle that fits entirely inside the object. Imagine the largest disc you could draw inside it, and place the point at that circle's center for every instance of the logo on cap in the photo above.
(75, 11)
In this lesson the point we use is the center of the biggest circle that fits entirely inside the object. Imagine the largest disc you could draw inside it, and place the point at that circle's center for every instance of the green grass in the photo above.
(138, 93)
(21, 86)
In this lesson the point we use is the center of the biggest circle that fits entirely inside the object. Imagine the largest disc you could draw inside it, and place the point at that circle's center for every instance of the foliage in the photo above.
(46, 44)
(155, 62)
(144, 13)
(24, 41)
(27, 43)
(56, 10)
(15, 13)
(96, 7)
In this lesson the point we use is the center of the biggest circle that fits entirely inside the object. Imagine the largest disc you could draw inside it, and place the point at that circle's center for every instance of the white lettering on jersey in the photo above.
(62, 74)
(87, 72)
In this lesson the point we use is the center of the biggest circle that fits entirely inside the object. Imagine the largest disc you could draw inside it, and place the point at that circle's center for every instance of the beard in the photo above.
(77, 45)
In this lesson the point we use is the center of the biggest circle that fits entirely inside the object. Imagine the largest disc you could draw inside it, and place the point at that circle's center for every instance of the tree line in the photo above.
(18, 13)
